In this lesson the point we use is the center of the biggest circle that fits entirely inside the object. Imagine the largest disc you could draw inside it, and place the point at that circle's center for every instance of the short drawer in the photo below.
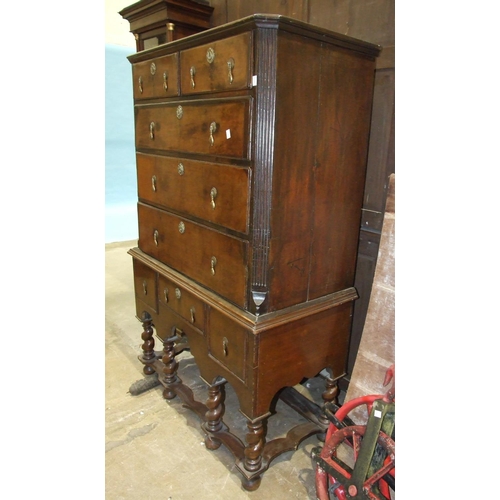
(145, 284)
(169, 324)
(214, 127)
(182, 302)
(156, 78)
(228, 344)
(218, 66)
(210, 191)
(214, 259)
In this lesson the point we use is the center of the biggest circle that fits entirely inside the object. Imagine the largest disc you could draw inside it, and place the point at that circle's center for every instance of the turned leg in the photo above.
(148, 355)
(169, 368)
(255, 439)
(329, 395)
(215, 405)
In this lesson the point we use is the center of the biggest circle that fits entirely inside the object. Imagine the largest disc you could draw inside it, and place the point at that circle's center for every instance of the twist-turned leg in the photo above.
(329, 395)
(148, 355)
(255, 439)
(169, 368)
(215, 405)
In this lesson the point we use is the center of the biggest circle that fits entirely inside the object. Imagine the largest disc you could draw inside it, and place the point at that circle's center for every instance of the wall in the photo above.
(120, 177)
(116, 28)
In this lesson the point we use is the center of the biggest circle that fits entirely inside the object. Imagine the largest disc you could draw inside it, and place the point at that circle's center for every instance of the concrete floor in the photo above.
(154, 447)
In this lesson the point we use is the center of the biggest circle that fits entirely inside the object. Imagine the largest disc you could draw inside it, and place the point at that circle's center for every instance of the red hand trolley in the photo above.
(371, 446)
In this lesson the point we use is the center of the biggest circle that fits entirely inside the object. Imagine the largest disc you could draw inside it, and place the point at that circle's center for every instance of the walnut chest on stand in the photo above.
(251, 143)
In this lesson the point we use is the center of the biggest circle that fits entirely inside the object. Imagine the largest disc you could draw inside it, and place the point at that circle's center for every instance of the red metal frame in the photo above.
(335, 436)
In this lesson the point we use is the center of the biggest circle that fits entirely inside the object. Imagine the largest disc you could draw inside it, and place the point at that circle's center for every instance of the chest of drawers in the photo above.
(251, 143)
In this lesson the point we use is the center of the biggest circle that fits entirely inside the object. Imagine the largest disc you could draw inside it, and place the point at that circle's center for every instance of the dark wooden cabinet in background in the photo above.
(154, 22)
(252, 143)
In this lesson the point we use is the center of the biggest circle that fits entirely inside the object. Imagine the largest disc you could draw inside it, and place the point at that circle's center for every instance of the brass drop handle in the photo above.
(192, 311)
(165, 81)
(155, 237)
(213, 263)
(152, 131)
(213, 129)
(192, 72)
(230, 67)
(213, 195)
(145, 287)
(140, 84)
(153, 182)
(225, 344)
(165, 294)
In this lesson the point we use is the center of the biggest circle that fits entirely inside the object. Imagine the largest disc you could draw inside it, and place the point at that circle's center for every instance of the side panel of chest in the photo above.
(314, 174)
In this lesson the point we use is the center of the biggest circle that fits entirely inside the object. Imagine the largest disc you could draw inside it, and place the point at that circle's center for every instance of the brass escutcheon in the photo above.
(153, 68)
(182, 227)
(179, 112)
(180, 169)
(210, 55)
(177, 293)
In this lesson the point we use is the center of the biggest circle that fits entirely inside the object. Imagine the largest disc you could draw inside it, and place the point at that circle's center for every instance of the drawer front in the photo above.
(168, 324)
(228, 344)
(215, 127)
(156, 78)
(182, 302)
(213, 259)
(216, 193)
(145, 284)
(218, 66)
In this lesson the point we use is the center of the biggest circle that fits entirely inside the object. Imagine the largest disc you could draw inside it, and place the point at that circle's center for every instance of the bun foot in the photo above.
(169, 394)
(148, 370)
(251, 484)
(212, 443)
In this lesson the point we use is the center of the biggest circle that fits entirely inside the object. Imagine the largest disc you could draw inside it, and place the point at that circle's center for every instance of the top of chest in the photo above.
(224, 58)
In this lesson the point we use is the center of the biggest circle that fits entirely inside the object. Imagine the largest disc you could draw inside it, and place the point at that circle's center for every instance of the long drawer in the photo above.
(210, 191)
(215, 260)
(213, 127)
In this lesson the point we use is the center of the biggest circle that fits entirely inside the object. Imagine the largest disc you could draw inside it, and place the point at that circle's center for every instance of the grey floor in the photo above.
(155, 447)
